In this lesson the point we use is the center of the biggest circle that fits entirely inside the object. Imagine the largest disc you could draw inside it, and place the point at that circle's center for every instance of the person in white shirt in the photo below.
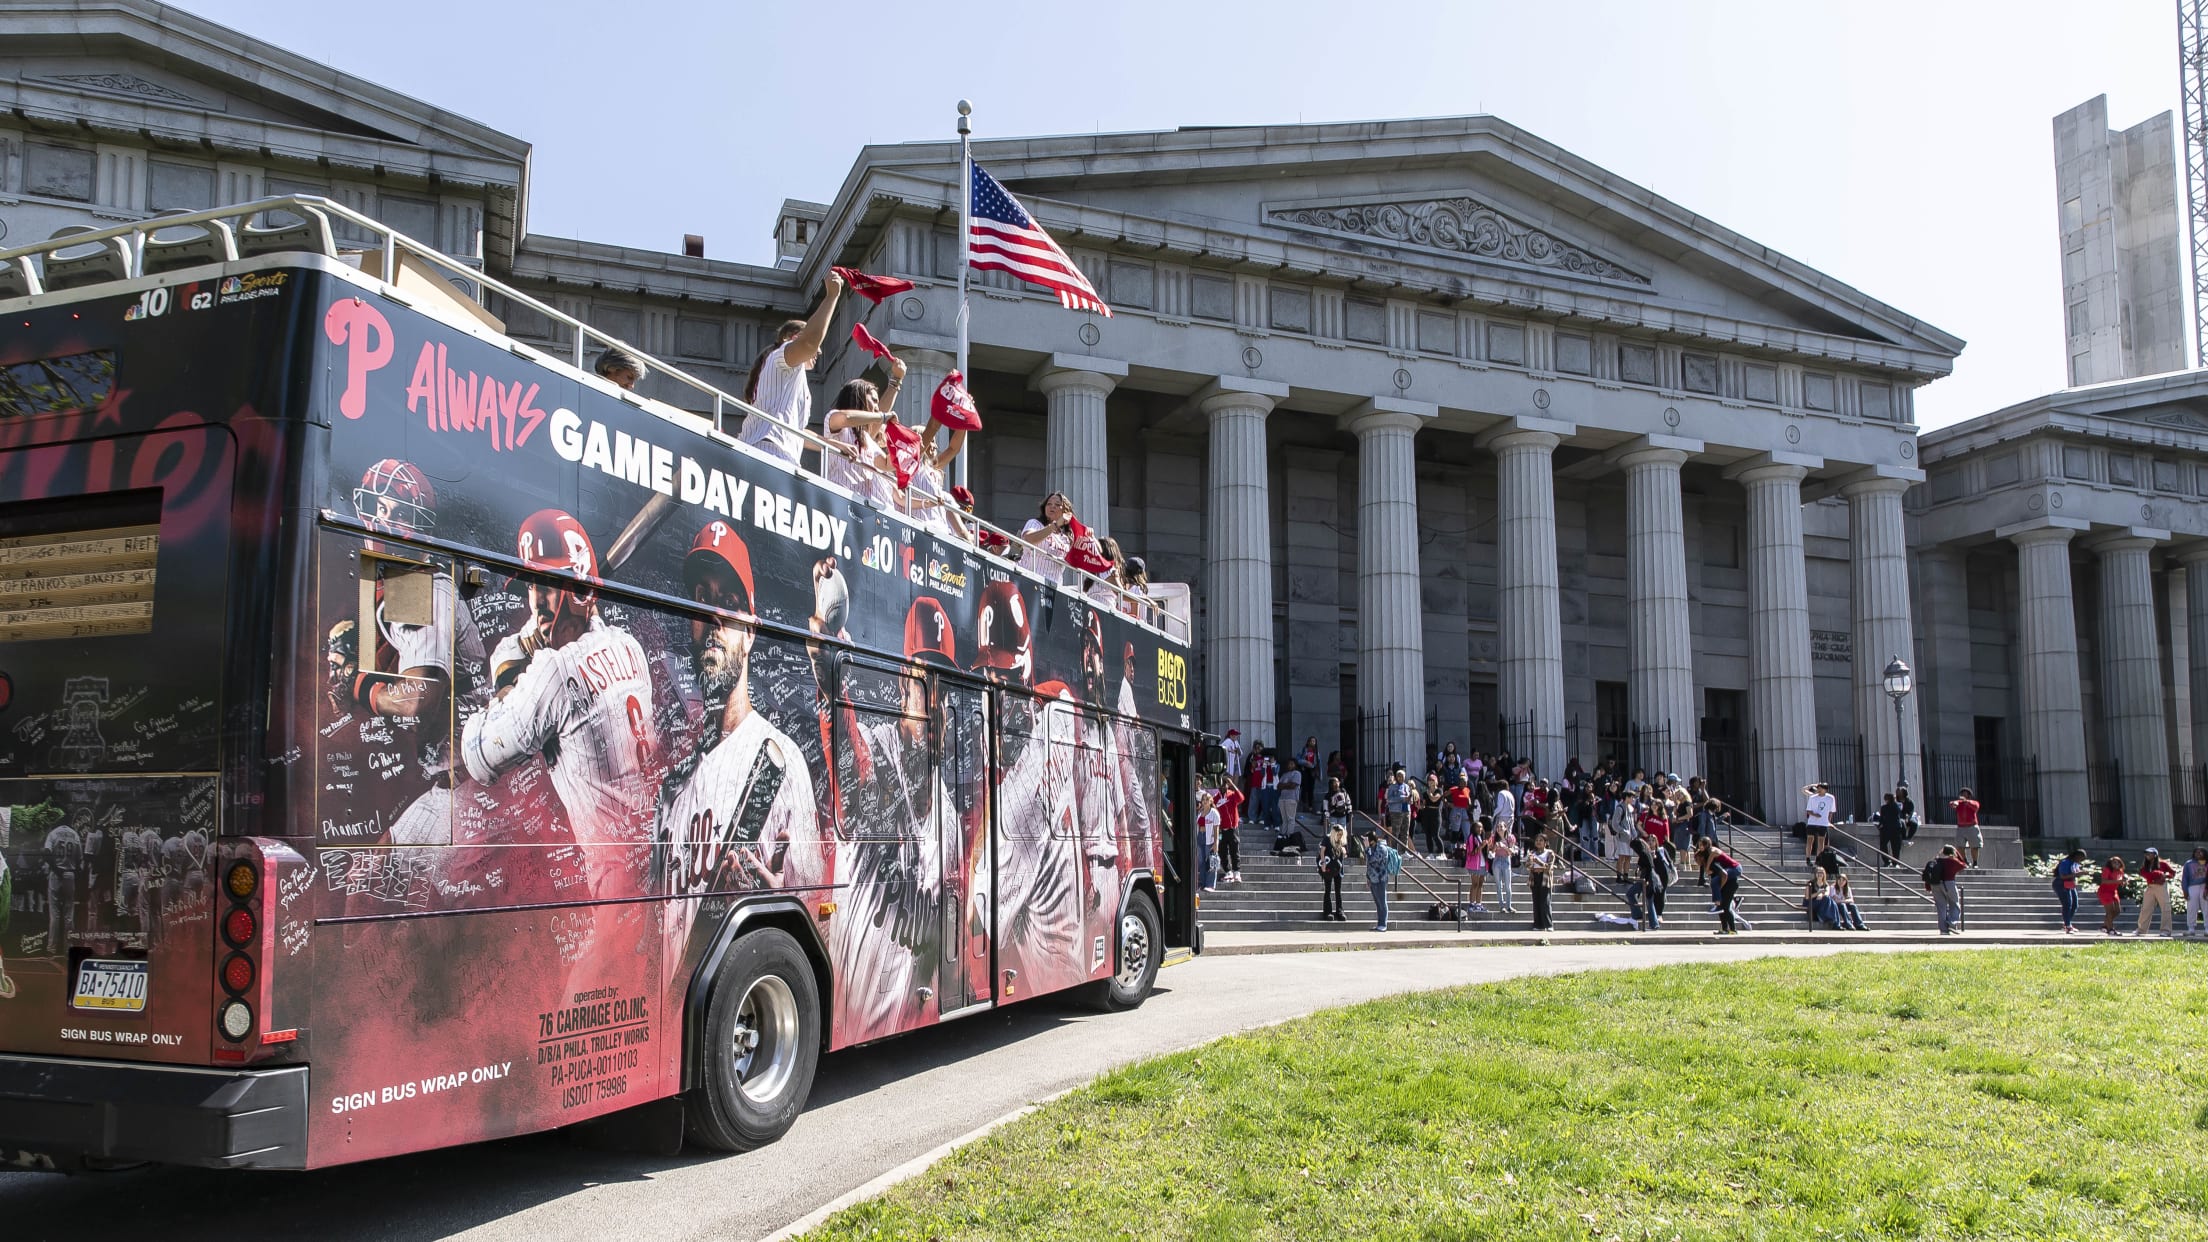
(1232, 744)
(1506, 809)
(778, 389)
(855, 425)
(1817, 816)
(1049, 537)
(928, 498)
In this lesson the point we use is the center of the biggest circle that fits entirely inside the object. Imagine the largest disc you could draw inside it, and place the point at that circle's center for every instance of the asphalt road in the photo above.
(872, 1110)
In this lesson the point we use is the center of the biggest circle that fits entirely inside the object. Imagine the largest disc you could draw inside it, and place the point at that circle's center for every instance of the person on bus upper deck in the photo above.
(855, 425)
(620, 367)
(1135, 576)
(928, 497)
(1049, 535)
(1102, 587)
(777, 387)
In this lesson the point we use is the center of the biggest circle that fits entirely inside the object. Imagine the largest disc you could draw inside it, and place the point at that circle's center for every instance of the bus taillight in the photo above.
(238, 974)
(239, 926)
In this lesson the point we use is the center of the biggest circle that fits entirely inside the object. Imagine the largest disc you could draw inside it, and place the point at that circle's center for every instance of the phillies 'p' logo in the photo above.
(366, 336)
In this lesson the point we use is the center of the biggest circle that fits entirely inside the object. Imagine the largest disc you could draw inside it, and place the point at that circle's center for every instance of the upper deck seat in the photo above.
(188, 245)
(18, 279)
(303, 228)
(94, 263)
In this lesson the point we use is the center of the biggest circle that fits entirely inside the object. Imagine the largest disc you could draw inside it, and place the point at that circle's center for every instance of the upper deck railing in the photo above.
(84, 258)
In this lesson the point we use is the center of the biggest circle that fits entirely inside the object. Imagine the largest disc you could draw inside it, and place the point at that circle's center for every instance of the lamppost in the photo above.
(1899, 682)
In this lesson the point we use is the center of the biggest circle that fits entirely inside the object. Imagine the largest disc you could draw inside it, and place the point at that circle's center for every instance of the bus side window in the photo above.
(1064, 731)
(877, 717)
(1142, 772)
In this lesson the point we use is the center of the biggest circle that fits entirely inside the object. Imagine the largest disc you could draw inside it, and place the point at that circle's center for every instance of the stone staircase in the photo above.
(1283, 894)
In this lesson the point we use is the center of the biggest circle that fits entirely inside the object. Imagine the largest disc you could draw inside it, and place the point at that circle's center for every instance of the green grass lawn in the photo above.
(2057, 1093)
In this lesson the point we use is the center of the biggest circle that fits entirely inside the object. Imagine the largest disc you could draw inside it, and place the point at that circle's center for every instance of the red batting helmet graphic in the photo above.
(928, 633)
(719, 544)
(1002, 632)
(395, 497)
(551, 540)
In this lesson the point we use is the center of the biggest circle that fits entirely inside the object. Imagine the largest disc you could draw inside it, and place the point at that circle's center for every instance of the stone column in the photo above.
(1528, 620)
(1879, 559)
(2195, 560)
(2177, 685)
(1391, 647)
(2131, 700)
(1238, 561)
(2047, 634)
(1781, 689)
(1660, 672)
(1077, 450)
(1947, 715)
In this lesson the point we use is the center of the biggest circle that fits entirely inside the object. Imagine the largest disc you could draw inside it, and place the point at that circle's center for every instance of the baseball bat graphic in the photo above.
(638, 530)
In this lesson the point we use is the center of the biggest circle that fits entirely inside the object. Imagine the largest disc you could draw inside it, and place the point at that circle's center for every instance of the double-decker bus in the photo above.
(408, 738)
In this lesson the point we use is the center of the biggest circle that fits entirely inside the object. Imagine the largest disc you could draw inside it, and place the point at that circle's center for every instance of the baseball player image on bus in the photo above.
(404, 681)
(887, 932)
(1039, 899)
(737, 808)
(64, 870)
(576, 693)
(7, 904)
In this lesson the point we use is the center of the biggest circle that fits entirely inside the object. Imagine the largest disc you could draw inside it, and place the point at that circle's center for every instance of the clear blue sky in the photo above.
(1904, 148)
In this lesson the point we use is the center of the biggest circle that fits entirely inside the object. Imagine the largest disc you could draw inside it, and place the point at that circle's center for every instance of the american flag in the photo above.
(1007, 239)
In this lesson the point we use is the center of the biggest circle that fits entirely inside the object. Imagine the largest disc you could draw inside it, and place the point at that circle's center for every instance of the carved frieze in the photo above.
(1456, 225)
(123, 84)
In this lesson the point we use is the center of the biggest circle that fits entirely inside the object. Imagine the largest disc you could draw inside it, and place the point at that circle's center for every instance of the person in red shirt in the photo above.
(1942, 878)
(1229, 806)
(2157, 874)
(1968, 836)
(2111, 895)
(1460, 813)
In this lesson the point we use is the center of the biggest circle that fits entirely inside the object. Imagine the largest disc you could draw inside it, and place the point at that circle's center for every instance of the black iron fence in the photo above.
(2104, 797)
(1516, 735)
(1840, 767)
(2006, 788)
(1365, 743)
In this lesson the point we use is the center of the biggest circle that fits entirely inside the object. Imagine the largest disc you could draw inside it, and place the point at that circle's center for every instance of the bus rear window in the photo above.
(59, 385)
(79, 567)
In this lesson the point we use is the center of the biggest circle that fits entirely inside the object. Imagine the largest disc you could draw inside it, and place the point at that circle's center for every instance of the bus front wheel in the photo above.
(1141, 941)
(762, 1037)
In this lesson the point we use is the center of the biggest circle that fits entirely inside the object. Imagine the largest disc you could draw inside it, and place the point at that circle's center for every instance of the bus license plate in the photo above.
(111, 986)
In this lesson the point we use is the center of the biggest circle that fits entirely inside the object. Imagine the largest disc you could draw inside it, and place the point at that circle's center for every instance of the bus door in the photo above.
(1177, 884)
(963, 756)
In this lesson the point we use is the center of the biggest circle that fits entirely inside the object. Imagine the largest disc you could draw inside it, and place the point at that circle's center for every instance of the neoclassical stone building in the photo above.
(1451, 430)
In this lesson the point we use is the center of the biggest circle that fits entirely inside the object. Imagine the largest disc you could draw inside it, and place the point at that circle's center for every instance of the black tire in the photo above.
(765, 996)
(1136, 951)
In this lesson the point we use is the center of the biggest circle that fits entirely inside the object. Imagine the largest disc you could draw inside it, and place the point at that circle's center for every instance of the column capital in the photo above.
(2193, 553)
(2043, 530)
(1229, 392)
(1878, 485)
(2127, 539)
(1543, 433)
(1077, 371)
(1774, 467)
(1653, 451)
(1388, 413)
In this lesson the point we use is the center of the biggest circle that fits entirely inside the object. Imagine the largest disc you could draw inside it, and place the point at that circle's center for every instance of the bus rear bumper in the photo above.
(67, 1114)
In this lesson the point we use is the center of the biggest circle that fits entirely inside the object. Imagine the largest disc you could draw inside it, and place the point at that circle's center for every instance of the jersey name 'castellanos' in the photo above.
(587, 706)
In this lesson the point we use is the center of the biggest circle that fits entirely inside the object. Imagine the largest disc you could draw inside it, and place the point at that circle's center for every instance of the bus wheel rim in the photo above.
(764, 1042)
(1134, 950)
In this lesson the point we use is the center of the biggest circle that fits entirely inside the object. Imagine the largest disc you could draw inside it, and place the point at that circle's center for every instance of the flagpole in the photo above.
(965, 248)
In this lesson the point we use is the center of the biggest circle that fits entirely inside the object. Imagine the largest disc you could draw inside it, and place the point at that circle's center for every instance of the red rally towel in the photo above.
(904, 450)
(872, 288)
(865, 340)
(1085, 554)
(953, 406)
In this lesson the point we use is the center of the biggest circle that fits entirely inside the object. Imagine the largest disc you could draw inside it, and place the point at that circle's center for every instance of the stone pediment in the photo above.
(2184, 420)
(1457, 225)
(122, 83)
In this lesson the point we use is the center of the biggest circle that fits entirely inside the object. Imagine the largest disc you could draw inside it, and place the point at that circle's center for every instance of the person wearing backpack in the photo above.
(1382, 863)
(1942, 879)
(2194, 881)
(2066, 889)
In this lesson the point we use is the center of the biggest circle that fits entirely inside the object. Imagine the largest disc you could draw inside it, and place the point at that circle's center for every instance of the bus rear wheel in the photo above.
(762, 1034)
(1135, 960)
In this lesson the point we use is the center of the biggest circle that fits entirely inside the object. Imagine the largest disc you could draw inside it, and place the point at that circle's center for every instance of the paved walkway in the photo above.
(873, 1111)
(1434, 935)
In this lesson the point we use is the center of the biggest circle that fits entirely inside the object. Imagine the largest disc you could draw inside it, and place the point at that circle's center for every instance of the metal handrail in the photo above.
(393, 243)
(1878, 877)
